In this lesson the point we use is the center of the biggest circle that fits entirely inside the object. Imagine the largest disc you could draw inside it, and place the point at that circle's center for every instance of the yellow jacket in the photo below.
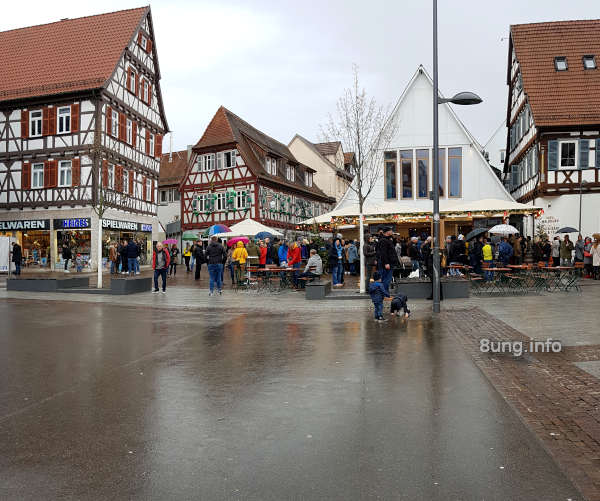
(240, 253)
(487, 252)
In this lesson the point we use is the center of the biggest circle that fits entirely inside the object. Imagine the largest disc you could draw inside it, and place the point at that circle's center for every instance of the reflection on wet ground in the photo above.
(107, 402)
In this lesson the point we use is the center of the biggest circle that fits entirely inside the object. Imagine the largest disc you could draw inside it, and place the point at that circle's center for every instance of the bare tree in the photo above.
(365, 128)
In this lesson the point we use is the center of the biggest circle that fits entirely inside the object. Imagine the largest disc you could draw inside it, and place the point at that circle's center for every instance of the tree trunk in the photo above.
(99, 249)
(361, 236)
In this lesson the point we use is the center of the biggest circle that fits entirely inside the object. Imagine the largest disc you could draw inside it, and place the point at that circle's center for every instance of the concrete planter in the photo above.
(46, 284)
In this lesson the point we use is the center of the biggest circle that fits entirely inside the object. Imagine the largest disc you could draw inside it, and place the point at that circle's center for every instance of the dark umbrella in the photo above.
(262, 235)
(475, 233)
(567, 229)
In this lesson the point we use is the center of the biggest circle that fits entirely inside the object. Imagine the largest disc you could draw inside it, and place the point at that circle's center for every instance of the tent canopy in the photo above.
(248, 228)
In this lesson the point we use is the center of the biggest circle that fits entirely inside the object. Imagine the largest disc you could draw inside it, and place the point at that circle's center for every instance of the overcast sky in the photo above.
(281, 65)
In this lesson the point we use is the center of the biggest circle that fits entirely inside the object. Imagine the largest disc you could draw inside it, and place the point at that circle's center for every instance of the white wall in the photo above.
(496, 143)
(564, 211)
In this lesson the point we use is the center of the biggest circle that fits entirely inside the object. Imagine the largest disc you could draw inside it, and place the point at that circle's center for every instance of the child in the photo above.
(377, 292)
(79, 263)
(399, 301)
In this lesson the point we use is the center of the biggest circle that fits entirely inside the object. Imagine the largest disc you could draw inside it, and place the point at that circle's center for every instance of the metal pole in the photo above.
(580, 187)
(436, 173)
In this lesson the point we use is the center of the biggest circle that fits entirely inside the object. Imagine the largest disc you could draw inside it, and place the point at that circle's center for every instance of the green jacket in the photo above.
(252, 250)
(566, 248)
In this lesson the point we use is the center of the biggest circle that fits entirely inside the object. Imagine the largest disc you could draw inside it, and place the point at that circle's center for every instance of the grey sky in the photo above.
(281, 65)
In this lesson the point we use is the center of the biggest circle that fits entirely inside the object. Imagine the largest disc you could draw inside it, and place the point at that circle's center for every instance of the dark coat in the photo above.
(17, 254)
(198, 253)
(386, 253)
(215, 253)
(377, 292)
(66, 253)
(369, 253)
(132, 250)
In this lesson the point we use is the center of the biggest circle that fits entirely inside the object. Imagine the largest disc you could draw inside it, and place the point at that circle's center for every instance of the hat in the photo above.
(385, 229)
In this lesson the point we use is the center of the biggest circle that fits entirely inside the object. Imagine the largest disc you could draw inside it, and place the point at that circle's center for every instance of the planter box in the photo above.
(451, 289)
(130, 285)
(318, 289)
(46, 284)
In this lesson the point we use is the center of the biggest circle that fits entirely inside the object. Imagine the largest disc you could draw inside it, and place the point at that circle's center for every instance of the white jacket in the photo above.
(595, 255)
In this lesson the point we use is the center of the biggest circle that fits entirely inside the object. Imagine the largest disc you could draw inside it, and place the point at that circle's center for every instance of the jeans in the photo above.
(163, 274)
(112, 267)
(173, 269)
(66, 264)
(215, 272)
(137, 265)
(489, 275)
(337, 270)
(131, 264)
(386, 279)
(296, 267)
(378, 309)
(17, 268)
(231, 272)
(353, 268)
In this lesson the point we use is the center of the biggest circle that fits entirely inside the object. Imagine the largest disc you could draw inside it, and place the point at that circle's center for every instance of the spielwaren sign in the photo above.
(115, 224)
(27, 224)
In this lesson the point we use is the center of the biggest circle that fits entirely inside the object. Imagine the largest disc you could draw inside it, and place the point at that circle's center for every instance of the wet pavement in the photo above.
(103, 401)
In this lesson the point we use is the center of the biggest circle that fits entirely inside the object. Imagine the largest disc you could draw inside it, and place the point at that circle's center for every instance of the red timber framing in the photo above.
(73, 130)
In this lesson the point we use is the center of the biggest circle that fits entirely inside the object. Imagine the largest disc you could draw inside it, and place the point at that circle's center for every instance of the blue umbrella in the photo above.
(262, 235)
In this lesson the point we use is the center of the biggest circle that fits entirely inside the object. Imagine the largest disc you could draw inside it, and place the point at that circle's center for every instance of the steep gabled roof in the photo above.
(313, 147)
(569, 97)
(172, 172)
(65, 56)
(329, 148)
(228, 128)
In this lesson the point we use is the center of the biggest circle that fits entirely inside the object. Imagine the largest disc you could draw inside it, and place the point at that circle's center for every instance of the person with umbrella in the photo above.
(174, 256)
(505, 251)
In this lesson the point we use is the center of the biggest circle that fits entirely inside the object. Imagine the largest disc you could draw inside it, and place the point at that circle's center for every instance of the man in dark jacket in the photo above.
(215, 256)
(370, 258)
(476, 255)
(132, 254)
(123, 256)
(160, 264)
(387, 258)
(17, 257)
(198, 258)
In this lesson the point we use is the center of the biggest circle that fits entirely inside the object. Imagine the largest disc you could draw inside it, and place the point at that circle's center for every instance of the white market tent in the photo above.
(248, 228)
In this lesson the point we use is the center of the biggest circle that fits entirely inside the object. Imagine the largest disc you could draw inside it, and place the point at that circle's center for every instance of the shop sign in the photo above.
(28, 224)
(114, 224)
(75, 223)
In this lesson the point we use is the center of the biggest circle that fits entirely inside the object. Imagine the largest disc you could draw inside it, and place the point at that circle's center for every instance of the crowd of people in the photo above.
(124, 257)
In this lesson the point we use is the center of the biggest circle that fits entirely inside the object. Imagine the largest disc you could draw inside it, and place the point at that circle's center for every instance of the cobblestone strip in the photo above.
(558, 401)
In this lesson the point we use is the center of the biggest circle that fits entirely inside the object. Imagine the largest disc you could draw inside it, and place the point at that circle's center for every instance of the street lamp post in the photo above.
(463, 98)
(582, 183)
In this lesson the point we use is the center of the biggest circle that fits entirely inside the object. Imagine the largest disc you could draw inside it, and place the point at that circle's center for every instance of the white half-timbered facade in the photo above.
(88, 133)
(553, 118)
(236, 171)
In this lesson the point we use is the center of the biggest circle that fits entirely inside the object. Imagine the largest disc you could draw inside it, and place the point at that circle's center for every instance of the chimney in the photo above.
(189, 151)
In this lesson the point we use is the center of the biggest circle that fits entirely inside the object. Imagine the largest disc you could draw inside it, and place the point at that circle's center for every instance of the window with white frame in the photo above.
(221, 203)
(151, 152)
(148, 195)
(132, 75)
(114, 126)
(176, 195)
(271, 166)
(129, 131)
(309, 179)
(64, 119)
(37, 175)
(144, 42)
(111, 177)
(126, 182)
(567, 154)
(145, 90)
(64, 173)
(241, 200)
(290, 172)
(164, 197)
(35, 123)
(230, 157)
(208, 162)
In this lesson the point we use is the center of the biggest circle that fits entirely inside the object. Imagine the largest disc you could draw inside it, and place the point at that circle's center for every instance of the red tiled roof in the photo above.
(569, 97)
(227, 128)
(65, 56)
(173, 172)
(328, 148)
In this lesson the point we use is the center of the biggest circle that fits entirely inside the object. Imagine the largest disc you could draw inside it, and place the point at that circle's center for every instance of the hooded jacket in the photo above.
(215, 253)
(294, 255)
(240, 253)
(377, 292)
(282, 253)
(252, 249)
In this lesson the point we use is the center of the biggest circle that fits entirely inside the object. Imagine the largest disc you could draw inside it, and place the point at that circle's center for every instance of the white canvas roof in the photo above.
(248, 228)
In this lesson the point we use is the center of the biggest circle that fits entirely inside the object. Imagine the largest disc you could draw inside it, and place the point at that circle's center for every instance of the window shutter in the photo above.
(26, 176)
(149, 94)
(158, 146)
(553, 155)
(45, 123)
(149, 46)
(145, 194)
(128, 83)
(122, 127)
(75, 117)
(147, 151)
(104, 173)
(139, 38)
(52, 174)
(134, 134)
(131, 176)
(137, 84)
(52, 121)
(108, 120)
(584, 154)
(75, 172)
(119, 177)
(152, 193)
(24, 124)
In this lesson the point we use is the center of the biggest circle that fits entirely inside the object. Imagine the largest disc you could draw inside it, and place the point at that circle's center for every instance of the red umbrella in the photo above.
(170, 241)
(235, 240)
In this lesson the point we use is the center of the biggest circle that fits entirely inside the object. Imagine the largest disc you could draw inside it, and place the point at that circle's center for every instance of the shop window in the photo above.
(455, 172)
(422, 173)
(391, 185)
(442, 170)
(37, 175)
(64, 173)
(406, 158)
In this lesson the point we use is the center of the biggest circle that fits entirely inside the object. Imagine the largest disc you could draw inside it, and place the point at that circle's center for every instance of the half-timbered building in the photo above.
(81, 126)
(553, 117)
(236, 171)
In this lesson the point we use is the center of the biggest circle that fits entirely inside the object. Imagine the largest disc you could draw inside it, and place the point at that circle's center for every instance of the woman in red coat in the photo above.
(262, 257)
(294, 258)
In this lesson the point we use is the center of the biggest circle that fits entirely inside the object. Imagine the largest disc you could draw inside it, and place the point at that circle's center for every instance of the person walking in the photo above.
(132, 254)
(215, 256)
(378, 292)
(17, 257)
(160, 264)
(187, 254)
(113, 257)
(174, 256)
(198, 258)
(66, 255)
(566, 251)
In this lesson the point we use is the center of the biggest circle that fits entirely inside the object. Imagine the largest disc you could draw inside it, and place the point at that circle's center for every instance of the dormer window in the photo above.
(589, 62)
(271, 165)
(560, 63)
(309, 179)
(290, 172)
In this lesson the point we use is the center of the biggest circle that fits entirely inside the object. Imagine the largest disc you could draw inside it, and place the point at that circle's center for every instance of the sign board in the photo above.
(4, 254)
(73, 223)
(114, 224)
(25, 224)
